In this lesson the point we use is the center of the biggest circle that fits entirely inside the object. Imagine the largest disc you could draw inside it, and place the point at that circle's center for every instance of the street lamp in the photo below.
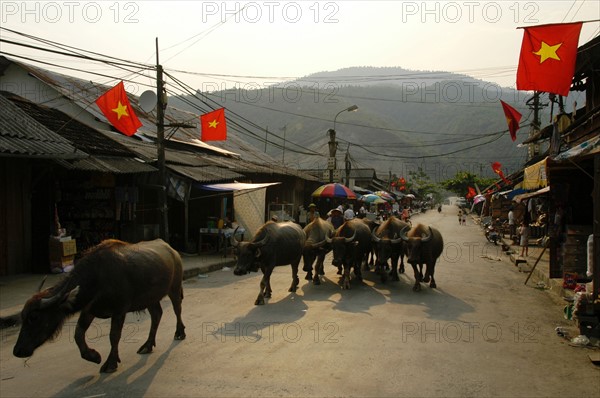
(352, 108)
(333, 143)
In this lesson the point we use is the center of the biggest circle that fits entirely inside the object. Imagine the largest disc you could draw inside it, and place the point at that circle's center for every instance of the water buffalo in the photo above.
(274, 244)
(370, 260)
(423, 246)
(109, 281)
(350, 243)
(389, 245)
(316, 247)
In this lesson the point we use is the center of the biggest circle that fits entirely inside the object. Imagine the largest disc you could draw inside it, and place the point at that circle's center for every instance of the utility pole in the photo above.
(348, 166)
(266, 138)
(284, 129)
(331, 163)
(160, 145)
(533, 147)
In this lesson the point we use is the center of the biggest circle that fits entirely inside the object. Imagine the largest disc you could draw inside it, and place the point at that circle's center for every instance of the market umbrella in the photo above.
(384, 195)
(372, 198)
(333, 190)
(478, 198)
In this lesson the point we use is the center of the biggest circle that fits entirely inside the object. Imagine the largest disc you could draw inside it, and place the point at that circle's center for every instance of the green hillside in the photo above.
(435, 120)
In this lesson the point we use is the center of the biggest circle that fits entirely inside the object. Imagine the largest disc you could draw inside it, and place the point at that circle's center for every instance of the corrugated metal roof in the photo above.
(78, 134)
(84, 93)
(21, 135)
(205, 174)
(108, 164)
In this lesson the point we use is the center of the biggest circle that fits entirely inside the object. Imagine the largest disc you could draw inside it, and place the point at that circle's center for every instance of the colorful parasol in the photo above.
(333, 190)
(372, 198)
(384, 195)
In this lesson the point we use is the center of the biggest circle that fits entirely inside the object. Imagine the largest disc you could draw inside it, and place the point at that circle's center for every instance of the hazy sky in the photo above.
(275, 40)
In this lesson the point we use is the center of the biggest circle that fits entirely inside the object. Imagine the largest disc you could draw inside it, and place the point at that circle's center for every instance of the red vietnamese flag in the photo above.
(115, 105)
(213, 126)
(513, 117)
(547, 59)
(471, 193)
(497, 167)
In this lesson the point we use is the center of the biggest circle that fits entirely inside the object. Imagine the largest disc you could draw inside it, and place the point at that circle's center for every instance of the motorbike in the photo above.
(491, 234)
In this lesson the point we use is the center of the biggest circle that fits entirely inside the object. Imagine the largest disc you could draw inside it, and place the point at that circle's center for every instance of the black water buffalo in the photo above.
(373, 252)
(109, 281)
(316, 247)
(274, 244)
(389, 245)
(423, 247)
(350, 243)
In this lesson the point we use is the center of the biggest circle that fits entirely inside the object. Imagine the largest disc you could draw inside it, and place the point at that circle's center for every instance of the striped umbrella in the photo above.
(333, 190)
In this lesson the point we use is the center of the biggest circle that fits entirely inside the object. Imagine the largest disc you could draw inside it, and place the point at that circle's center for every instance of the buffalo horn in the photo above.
(427, 237)
(234, 242)
(319, 244)
(374, 237)
(39, 289)
(261, 242)
(403, 232)
(351, 239)
(396, 240)
(49, 301)
(328, 238)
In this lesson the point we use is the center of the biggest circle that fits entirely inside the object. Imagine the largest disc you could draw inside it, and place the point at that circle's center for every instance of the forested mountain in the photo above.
(439, 121)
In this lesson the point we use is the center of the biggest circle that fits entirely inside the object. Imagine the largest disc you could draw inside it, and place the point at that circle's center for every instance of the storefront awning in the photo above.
(236, 186)
(534, 176)
(528, 195)
(589, 147)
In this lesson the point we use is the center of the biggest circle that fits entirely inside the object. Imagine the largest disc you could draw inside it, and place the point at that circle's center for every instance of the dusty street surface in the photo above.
(480, 333)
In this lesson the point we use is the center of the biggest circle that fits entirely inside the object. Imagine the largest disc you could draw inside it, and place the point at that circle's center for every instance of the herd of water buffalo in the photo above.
(115, 278)
(277, 244)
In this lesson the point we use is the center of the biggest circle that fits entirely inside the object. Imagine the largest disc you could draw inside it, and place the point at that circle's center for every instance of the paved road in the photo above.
(481, 333)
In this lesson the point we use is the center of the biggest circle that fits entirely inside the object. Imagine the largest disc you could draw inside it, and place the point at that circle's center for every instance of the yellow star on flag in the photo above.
(213, 124)
(546, 51)
(120, 110)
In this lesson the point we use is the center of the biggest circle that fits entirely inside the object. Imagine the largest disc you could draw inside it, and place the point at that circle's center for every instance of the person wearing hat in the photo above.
(349, 213)
(312, 213)
(336, 217)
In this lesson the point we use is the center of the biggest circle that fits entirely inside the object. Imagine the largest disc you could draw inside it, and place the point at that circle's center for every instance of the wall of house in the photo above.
(249, 210)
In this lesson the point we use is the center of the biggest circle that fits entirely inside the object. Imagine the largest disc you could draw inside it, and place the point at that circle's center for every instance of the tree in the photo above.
(463, 180)
(420, 183)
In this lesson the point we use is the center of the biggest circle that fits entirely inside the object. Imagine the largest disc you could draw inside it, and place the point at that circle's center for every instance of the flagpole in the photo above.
(160, 146)
(557, 23)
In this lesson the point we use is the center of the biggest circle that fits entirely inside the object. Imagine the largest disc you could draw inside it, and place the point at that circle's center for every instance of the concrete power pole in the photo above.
(160, 146)
(331, 163)
(533, 148)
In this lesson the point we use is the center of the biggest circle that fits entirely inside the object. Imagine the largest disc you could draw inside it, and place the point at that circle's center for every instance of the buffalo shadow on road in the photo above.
(120, 382)
(250, 326)
(436, 303)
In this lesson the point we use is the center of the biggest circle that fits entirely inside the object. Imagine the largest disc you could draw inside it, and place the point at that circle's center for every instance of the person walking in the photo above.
(511, 223)
(336, 217)
(460, 214)
(524, 232)
(312, 213)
